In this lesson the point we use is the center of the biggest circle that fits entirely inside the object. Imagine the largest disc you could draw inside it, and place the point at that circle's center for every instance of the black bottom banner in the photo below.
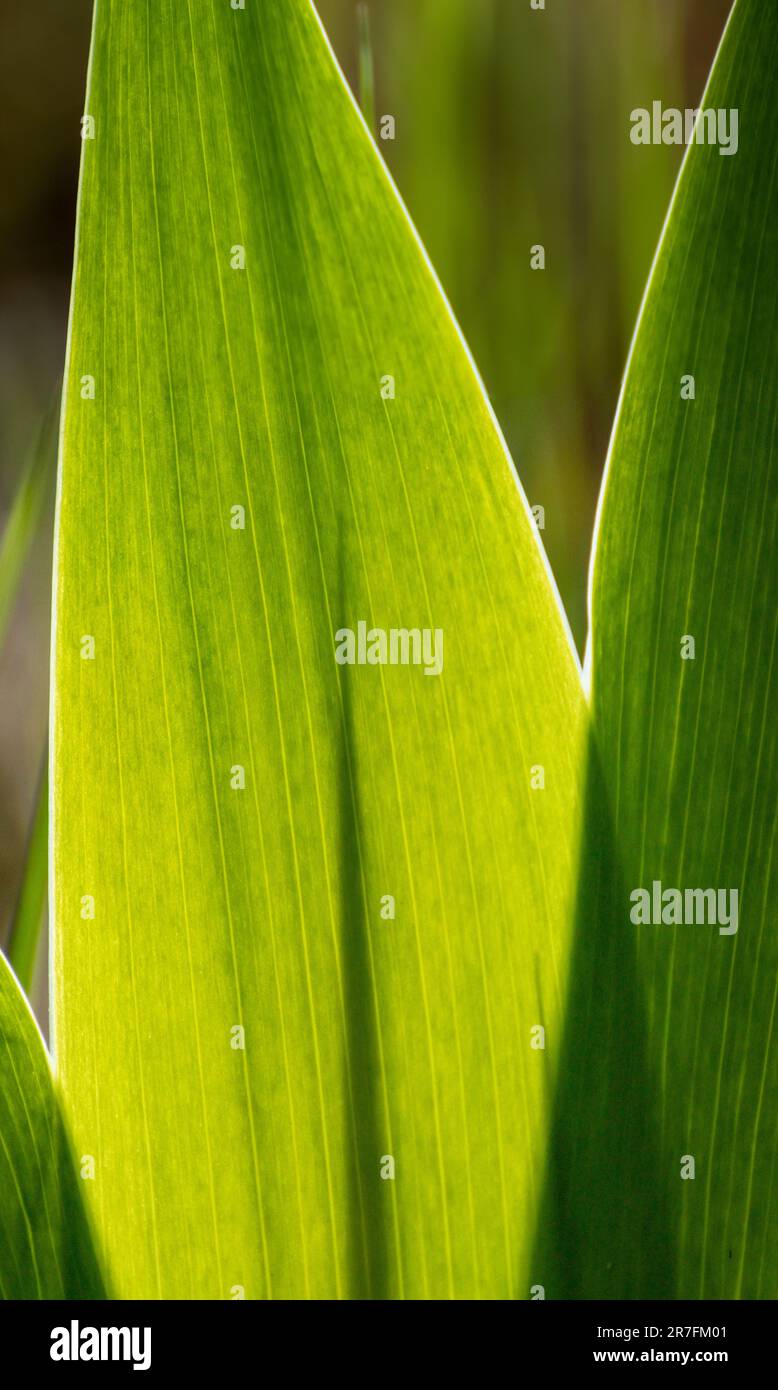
(173, 1339)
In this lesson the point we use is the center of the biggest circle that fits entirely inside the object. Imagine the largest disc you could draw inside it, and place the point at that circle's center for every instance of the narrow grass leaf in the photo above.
(28, 915)
(24, 516)
(47, 1249)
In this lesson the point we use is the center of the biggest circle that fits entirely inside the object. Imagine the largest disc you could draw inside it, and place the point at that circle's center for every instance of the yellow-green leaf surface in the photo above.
(683, 1014)
(46, 1245)
(246, 280)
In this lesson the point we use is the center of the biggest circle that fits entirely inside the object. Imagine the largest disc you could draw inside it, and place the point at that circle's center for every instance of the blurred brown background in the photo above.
(512, 129)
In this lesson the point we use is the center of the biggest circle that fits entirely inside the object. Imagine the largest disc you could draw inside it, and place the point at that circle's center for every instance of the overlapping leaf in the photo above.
(47, 1248)
(671, 1042)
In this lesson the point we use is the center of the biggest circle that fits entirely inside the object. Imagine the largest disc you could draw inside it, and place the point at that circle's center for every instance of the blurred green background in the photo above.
(512, 128)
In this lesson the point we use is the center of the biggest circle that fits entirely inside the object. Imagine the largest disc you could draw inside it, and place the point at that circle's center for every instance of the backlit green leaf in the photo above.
(671, 1043)
(47, 1249)
(233, 810)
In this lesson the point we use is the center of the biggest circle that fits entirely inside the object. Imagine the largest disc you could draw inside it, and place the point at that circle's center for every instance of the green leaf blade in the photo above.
(686, 547)
(30, 906)
(47, 1246)
(23, 518)
(259, 1169)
